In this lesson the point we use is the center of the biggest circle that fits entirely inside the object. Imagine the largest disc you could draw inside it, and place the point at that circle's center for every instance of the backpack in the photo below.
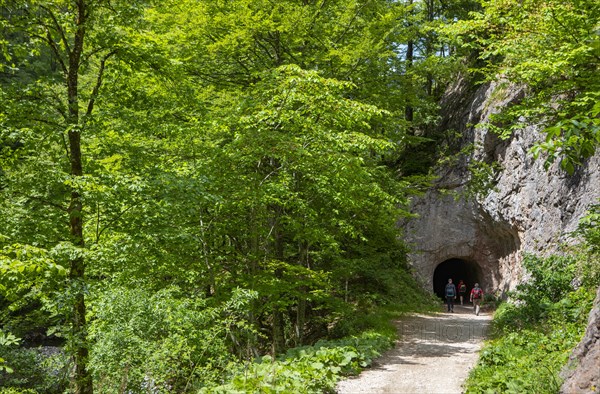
(477, 293)
(450, 291)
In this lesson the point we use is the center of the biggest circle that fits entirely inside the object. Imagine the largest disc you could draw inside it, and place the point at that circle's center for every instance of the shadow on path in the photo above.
(433, 355)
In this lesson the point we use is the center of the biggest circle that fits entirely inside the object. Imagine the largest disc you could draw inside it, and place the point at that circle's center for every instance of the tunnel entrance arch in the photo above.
(456, 269)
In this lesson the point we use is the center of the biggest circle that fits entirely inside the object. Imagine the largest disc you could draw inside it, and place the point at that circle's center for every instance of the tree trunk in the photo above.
(301, 308)
(278, 246)
(277, 332)
(408, 110)
(300, 321)
(82, 379)
(429, 46)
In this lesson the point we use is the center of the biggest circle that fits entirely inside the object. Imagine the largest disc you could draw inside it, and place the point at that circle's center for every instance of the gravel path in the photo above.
(433, 355)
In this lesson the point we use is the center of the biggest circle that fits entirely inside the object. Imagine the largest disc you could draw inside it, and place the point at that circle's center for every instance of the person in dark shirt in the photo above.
(462, 290)
(450, 293)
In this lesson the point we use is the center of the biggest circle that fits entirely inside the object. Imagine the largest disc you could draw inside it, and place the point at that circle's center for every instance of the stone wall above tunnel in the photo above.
(529, 209)
(456, 229)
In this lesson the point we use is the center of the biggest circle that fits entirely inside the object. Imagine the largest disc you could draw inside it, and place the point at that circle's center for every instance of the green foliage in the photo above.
(225, 146)
(589, 229)
(28, 277)
(528, 361)
(12, 390)
(6, 340)
(376, 314)
(214, 157)
(308, 369)
(37, 370)
(574, 139)
(168, 340)
(550, 279)
(482, 177)
(534, 333)
(300, 193)
(24, 370)
(550, 47)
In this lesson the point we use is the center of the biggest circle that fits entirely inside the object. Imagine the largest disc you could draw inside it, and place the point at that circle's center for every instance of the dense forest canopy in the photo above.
(553, 49)
(187, 184)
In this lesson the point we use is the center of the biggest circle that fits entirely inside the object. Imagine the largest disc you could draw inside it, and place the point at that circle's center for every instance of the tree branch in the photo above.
(53, 46)
(59, 29)
(110, 222)
(96, 89)
(42, 200)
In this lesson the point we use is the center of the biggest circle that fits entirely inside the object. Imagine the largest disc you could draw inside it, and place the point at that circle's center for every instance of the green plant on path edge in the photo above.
(318, 368)
(533, 336)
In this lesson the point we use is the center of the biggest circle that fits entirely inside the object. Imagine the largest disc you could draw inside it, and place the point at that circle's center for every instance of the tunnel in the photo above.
(456, 269)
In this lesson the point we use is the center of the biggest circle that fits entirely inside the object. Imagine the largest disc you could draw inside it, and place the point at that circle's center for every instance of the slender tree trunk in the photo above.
(82, 379)
(346, 291)
(429, 45)
(278, 332)
(408, 110)
(83, 382)
(300, 321)
(301, 308)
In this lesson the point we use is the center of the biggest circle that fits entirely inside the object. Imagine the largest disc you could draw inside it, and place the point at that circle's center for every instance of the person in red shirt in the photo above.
(476, 297)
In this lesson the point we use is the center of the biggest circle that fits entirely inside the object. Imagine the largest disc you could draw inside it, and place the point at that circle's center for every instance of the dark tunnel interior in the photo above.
(455, 269)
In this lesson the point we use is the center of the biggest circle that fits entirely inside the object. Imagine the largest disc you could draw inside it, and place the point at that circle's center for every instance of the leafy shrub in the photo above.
(589, 230)
(307, 369)
(551, 278)
(13, 390)
(526, 361)
(535, 333)
(6, 341)
(164, 341)
(491, 301)
(42, 370)
(373, 311)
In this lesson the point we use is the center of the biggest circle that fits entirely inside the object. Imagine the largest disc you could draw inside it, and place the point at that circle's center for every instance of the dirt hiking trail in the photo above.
(432, 356)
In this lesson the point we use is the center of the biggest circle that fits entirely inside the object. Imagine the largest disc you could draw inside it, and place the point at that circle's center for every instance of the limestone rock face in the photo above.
(582, 373)
(530, 209)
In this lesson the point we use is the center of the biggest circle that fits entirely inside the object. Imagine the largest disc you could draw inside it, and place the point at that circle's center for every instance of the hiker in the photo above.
(476, 297)
(450, 293)
(462, 290)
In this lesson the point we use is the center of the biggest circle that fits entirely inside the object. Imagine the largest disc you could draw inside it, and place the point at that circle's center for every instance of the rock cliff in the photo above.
(530, 209)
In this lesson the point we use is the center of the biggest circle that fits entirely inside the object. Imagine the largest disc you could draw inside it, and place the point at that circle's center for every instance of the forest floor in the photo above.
(433, 355)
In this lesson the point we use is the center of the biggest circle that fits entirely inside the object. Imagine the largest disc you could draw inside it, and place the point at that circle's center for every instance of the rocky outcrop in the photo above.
(529, 209)
(582, 373)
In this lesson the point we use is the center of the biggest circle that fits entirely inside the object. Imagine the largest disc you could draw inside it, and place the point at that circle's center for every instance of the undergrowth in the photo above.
(308, 369)
(534, 333)
(161, 343)
(317, 368)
